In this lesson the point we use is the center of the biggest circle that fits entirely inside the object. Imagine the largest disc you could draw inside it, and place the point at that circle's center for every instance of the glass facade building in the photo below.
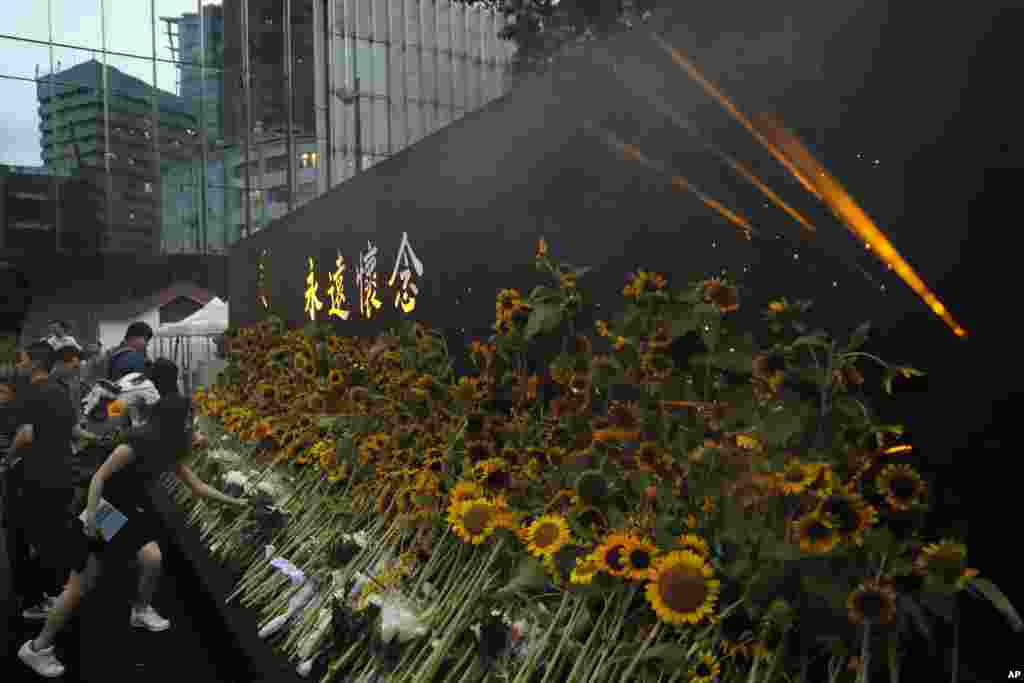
(197, 122)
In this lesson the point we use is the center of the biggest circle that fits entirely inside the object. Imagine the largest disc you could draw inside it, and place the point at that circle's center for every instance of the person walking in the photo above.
(44, 419)
(124, 479)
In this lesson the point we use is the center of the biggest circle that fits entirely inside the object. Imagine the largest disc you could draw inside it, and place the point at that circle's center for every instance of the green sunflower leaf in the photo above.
(859, 337)
(983, 588)
(682, 326)
(818, 340)
(543, 318)
(880, 540)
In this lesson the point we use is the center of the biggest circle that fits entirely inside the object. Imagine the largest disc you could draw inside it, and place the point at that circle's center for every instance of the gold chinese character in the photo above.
(366, 281)
(261, 279)
(313, 304)
(337, 290)
(405, 297)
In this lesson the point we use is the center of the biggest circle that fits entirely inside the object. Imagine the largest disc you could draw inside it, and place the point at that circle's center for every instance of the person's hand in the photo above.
(200, 441)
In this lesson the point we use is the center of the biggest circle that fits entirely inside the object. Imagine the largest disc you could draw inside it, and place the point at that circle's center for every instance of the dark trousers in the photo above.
(31, 579)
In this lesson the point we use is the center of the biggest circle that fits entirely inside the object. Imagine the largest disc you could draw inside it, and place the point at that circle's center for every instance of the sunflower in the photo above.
(493, 473)
(115, 409)
(722, 295)
(849, 514)
(873, 601)
(946, 562)
(706, 670)
(263, 430)
(265, 391)
(479, 451)
(580, 382)
(824, 480)
(657, 366)
(586, 567)
(683, 589)
(333, 344)
(610, 556)
(694, 544)
(315, 403)
(901, 486)
(547, 535)
(473, 520)
(796, 477)
(302, 362)
(335, 378)
(816, 534)
(748, 442)
(639, 558)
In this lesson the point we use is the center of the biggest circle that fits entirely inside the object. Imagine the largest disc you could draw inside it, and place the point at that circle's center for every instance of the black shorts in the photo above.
(56, 534)
(142, 526)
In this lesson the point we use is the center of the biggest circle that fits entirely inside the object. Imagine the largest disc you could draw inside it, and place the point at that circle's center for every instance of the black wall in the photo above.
(474, 198)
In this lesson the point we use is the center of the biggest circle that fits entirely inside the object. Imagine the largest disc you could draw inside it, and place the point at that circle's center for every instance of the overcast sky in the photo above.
(75, 22)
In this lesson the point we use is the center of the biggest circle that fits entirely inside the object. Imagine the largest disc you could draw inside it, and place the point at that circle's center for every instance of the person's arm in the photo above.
(201, 489)
(24, 436)
(119, 458)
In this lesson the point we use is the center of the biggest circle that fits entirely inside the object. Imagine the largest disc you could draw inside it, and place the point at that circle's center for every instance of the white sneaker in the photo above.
(43, 662)
(147, 618)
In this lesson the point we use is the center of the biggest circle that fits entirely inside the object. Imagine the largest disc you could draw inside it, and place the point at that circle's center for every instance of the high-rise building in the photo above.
(110, 144)
(198, 45)
(267, 66)
(368, 79)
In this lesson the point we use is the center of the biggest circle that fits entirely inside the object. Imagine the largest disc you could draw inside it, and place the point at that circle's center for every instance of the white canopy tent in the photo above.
(189, 343)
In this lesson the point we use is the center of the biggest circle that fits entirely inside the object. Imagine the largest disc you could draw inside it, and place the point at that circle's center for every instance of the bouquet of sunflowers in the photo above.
(667, 499)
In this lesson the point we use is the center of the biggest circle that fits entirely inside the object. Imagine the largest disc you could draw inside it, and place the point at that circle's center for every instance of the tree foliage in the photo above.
(542, 29)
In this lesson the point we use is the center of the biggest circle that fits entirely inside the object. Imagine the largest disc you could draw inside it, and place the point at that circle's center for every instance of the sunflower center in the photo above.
(682, 589)
(545, 535)
(614, 558)
(640, 559)
(499, 479)
(817, 531)
(871, 604)
(477, 518)
(843, 511)
(794, 475)
(903, 487)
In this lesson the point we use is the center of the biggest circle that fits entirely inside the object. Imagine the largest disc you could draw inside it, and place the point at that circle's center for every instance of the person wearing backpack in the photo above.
(128, 356)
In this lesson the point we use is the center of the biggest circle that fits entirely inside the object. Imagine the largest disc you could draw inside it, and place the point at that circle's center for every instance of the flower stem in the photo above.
(865, 654)
(647, 643)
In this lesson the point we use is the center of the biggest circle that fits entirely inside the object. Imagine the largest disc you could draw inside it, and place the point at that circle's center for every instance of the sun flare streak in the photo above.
(633, 153)
(727, 104)
(853, 217)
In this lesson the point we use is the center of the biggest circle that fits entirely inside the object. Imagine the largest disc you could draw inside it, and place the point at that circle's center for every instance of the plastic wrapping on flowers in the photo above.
(670, 498)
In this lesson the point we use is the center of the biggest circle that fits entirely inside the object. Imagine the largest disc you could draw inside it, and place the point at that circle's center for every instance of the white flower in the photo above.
(397, 620)
(360, 538)
(236, 477)
(267, 488)
(223, 455)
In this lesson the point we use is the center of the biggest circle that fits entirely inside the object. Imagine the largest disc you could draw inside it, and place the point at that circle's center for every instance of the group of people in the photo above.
(56, 557)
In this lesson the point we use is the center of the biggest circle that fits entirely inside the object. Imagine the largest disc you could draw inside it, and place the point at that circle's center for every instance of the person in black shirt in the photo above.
(43, 440)
(123, 480)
